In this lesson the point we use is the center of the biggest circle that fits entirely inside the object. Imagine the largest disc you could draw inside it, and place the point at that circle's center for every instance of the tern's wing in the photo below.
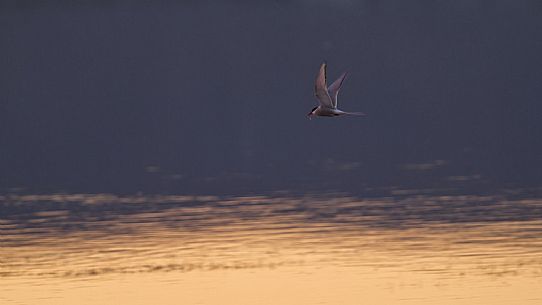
(320, 88)
(334, 89)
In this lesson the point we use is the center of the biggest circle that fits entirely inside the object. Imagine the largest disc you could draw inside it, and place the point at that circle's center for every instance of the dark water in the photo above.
(207, 98)
(104, 239)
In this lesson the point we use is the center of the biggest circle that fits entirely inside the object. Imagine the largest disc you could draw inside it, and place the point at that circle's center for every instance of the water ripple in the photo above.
(84, 235)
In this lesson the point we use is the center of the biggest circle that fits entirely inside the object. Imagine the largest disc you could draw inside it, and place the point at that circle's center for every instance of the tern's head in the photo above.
(310, 114)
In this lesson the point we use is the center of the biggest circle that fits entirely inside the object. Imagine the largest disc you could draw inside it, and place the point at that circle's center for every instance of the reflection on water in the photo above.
(281, 249)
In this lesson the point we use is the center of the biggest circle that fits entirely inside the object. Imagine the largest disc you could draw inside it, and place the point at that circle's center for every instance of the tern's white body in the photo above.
(326, 111)
(327, 96)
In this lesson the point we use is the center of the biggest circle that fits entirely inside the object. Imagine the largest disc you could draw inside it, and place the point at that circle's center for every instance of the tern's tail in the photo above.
(355, 113)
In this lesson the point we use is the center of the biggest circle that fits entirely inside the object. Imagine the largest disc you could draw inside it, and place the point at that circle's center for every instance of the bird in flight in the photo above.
(327, 96)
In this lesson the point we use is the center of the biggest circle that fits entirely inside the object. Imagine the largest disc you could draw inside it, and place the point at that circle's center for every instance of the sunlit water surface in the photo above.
(283, 249)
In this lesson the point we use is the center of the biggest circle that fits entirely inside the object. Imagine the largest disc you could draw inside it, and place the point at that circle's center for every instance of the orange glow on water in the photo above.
(101, 249)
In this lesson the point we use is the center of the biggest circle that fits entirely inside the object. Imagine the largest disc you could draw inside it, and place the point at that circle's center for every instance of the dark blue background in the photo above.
(211, 97)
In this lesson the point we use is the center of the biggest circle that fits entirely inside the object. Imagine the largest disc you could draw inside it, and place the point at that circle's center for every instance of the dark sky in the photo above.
(198, 97)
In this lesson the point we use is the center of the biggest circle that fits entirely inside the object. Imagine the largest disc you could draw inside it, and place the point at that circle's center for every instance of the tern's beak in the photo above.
(312, 112)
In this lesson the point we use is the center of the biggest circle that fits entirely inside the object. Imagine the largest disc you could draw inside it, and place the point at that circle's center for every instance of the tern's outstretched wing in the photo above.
(320, 88)
(334, 89)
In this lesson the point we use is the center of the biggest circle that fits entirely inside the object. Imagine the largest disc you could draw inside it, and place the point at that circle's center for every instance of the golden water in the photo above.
(280, 249)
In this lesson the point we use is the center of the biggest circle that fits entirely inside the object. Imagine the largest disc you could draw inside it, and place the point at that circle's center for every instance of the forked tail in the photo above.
(355, 113)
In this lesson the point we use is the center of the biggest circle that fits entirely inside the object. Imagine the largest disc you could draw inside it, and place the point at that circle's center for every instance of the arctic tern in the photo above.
(328, 96)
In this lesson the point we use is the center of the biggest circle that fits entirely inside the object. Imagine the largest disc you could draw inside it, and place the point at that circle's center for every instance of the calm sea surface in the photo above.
(402, 248)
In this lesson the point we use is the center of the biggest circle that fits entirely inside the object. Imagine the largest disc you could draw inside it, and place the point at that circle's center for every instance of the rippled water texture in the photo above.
(280, 249)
